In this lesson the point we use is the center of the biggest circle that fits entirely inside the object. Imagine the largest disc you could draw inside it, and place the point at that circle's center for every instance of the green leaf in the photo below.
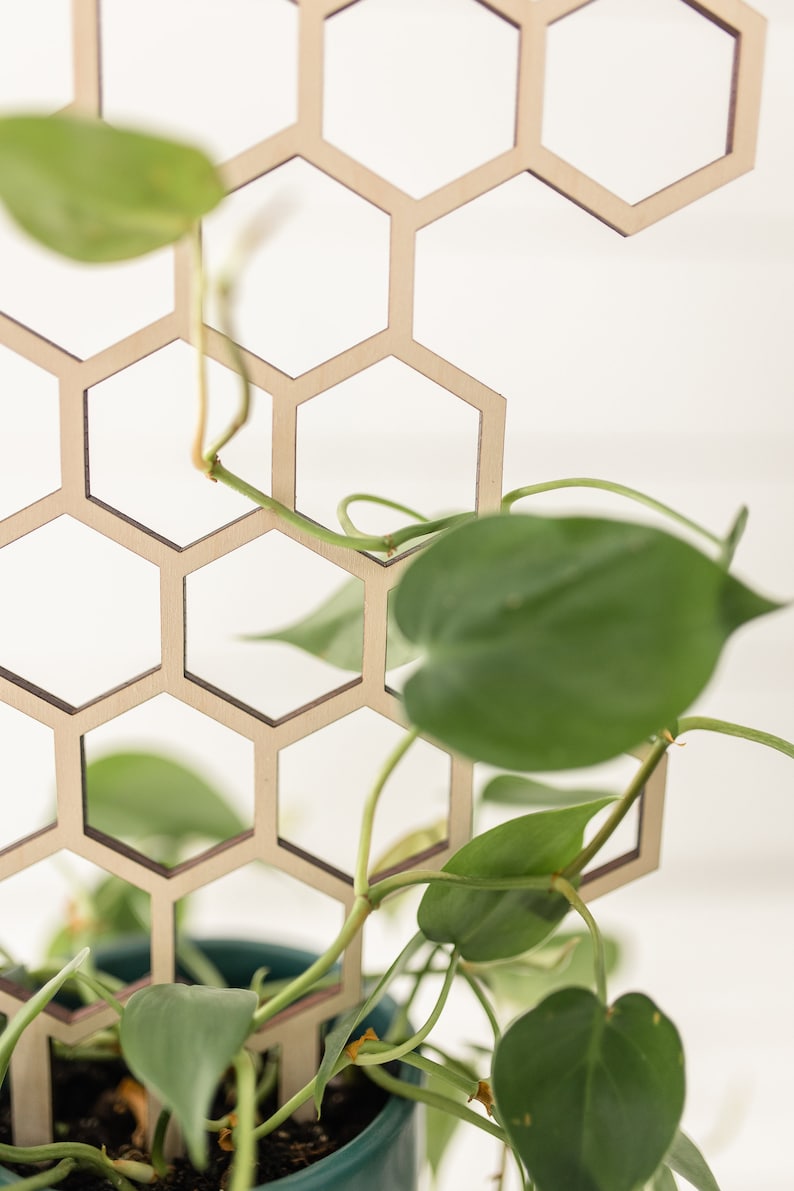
(564, 961)
(487, 925)
(32, 1008)
(97, 193)
(334, 632)
(178, 1039)
(686, 1159)
(663, 1180)
(509, 789)
(556, 643)
(590, 1095)
(142, 796)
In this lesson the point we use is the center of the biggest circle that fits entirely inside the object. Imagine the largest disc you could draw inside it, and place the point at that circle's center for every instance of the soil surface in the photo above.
(91, 1104)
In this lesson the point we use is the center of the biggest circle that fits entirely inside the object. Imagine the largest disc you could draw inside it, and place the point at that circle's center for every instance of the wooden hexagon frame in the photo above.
(30, 1066)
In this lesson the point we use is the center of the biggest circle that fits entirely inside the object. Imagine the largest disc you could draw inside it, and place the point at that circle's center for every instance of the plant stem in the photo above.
(346, 522)
(485, 1004)
(620, 810)
(83, 1155)
(379, 1053)
(386, 544)
(361, 879)
(244, 1163)
(223, 292)
(456, 1079)
(705, 723)
(158, 1142)
(295, 1102)
(427, 876)
(301, 984)
(410, 1091)
(47, 1178)
(599, 961)
(619, 490)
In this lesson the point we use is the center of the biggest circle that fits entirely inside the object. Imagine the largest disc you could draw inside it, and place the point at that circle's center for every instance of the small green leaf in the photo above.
(32, 1008)
(555, 643)
(140, 796)
(410, 845)
(565, 960)
(334, 632)
(97, 193)
(487, 925)
(686, 1159)
(178, 1039)
(509, 789)
(590, 1095)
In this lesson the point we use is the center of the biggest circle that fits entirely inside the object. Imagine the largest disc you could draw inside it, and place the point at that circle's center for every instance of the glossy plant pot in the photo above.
(384, 1155)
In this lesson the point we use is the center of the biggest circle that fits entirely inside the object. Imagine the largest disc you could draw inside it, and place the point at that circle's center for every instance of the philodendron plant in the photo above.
(542, 644)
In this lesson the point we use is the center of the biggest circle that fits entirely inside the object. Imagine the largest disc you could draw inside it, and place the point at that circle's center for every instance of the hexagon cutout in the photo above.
(316, 277)
(638, 96)
(321, 814)
(422, 91)
(346, 443)
(237, 609)
(104, 303)
(81, 613)
(69, 904)
(168, 782)
(204, 82)
(140, 424)
(29, 409)
(259, 902)
(28, 751)
(35, 55)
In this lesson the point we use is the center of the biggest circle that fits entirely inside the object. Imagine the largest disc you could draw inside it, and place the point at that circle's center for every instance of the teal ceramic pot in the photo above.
(384, 1155)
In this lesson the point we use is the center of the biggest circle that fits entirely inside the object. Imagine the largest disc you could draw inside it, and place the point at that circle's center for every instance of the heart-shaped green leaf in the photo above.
(555, 643)
(178, 1039)
(590, 1095)
(495, 924)
(97, 193)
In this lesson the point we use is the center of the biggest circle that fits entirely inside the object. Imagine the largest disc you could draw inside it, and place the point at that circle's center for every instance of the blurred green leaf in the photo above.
(178, 1039)
(410, 845)
(440, 1126)
(590, 1095)
(487, 925)
(334, 632)
(686, 1159)
(97, 193)
(663, 1180)
(555, 643)
(564, 961)
(140, 796)
(509, 789)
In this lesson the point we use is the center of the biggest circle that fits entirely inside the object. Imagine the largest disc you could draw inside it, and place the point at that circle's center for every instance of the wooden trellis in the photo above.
(406, 215)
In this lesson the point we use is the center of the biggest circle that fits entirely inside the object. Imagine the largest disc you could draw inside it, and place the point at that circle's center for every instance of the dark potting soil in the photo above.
(89, 1107)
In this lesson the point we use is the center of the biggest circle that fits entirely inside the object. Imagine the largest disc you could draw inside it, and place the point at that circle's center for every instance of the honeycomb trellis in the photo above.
(406, 215)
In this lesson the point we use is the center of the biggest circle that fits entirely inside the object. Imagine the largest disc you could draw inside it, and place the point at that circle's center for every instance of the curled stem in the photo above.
(345, 520)
(692, 723)
(619, 490)
(361, 878)
(385, 544)
(599, 961)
